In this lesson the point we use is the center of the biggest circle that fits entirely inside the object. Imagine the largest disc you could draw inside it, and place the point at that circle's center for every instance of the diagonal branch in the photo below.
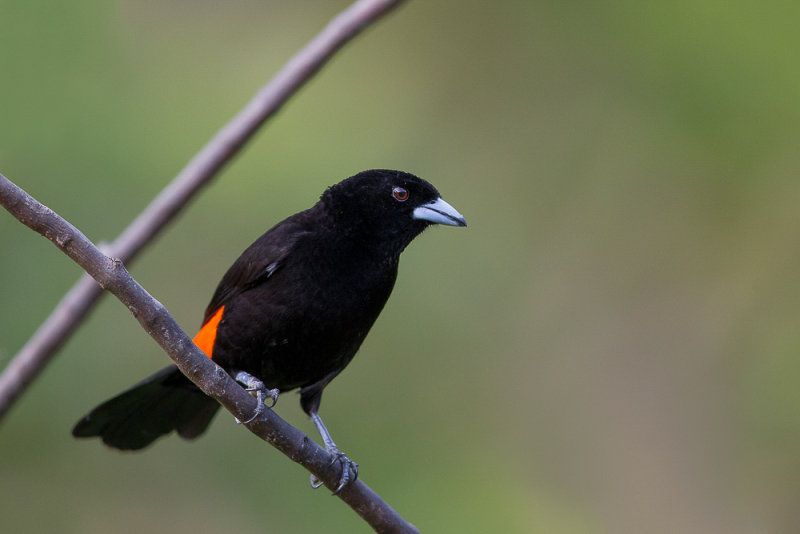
(80, 300)
(111, 274)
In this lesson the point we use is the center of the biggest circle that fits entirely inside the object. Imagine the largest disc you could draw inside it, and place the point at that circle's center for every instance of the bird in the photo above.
(290, 313)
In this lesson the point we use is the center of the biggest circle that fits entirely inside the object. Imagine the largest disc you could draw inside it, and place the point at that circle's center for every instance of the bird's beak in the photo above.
(439, 212)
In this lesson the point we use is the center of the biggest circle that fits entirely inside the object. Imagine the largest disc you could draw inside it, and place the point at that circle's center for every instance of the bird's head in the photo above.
(392, 204)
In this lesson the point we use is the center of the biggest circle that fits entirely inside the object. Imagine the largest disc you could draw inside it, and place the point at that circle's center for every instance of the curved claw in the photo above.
(254, 384)
(260, 407)
(349, 472)
(348, 466)
(273, 394)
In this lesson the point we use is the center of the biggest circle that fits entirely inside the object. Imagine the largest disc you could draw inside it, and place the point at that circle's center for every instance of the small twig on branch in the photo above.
(111, 274)
(80, 300)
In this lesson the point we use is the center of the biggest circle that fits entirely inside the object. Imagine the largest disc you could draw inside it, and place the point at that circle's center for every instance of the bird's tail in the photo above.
(156, 406)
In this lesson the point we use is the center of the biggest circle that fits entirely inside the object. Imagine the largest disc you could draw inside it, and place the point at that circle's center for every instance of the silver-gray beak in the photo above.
(439, 212)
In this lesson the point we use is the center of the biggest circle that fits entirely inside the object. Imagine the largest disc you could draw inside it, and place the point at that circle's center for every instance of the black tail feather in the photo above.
(164, 402)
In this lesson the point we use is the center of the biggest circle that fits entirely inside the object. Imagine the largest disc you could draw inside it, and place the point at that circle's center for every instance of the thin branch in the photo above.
(228, 141)
(111, 274)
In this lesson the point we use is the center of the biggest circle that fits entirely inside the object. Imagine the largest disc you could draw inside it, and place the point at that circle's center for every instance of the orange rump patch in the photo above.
(208, 334)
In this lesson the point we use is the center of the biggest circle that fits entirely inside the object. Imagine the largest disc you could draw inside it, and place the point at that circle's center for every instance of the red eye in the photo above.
(400, 194)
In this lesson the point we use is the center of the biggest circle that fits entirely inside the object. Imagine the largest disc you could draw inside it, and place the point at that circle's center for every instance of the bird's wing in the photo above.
(259, 261)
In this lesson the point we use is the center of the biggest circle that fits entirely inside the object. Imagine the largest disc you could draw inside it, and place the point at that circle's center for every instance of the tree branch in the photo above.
(80, 300)
(111, 274)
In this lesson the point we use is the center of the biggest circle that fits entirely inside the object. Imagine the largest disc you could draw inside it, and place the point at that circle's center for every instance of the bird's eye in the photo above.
(400, 194)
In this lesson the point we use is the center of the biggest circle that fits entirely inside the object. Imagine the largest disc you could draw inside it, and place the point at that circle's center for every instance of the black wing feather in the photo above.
(259, 261)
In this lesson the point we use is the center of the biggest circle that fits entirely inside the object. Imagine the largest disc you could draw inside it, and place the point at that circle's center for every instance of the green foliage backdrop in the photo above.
(612, 345)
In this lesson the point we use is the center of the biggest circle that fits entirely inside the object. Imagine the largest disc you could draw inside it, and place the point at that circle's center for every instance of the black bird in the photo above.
(291, 312)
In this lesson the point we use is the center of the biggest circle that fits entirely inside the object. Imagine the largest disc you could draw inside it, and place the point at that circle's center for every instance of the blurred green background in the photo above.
(611, 346)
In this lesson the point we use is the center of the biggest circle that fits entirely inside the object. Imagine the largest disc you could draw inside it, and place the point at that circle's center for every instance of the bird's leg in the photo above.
(348, 465)
(252, 383)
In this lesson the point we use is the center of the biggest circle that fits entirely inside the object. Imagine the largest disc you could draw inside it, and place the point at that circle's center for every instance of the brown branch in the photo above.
(111, 274)
(80, 300)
